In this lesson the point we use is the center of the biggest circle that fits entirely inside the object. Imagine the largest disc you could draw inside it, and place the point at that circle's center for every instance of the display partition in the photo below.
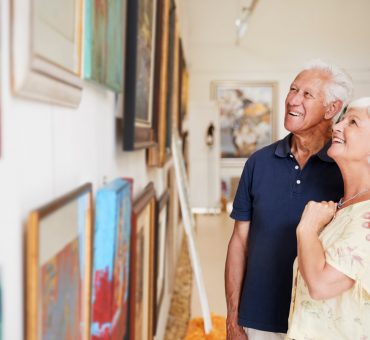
(189, 225)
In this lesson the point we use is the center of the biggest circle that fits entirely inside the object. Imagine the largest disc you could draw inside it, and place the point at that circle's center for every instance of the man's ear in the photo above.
(333, 108)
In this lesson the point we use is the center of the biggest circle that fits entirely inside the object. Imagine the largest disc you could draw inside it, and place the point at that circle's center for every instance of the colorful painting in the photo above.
(59, 268)
(110, 295)
(247, 116)
(61, 295)
(138, 103)
(142, 262)
(104, 42)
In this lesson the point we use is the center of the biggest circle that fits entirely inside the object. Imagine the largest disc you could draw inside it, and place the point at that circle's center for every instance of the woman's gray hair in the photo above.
(341, 85)
(360, 103)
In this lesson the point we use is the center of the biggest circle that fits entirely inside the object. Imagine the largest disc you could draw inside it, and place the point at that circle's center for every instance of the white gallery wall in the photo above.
(282, 36)
(47, 151)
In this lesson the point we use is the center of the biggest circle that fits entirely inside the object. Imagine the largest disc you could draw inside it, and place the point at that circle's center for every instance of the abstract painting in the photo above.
(105, 23)
(247, 116)
(110, 295)
(59, 268)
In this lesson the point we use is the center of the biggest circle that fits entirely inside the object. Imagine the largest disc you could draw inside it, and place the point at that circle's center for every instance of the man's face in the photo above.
(304, 104)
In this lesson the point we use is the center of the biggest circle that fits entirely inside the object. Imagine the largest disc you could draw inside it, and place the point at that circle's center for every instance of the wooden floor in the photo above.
(212, 236)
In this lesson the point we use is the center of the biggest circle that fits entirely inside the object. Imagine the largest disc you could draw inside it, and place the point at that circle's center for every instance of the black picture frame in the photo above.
(138, 115)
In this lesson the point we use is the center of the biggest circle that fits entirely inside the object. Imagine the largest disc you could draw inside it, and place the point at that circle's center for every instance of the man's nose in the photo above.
(295, 98)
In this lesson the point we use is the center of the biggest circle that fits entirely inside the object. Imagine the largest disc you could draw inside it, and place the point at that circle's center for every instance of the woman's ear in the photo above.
(333, 109)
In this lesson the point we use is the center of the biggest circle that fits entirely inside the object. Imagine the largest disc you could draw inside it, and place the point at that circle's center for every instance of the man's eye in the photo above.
(308, 95)
(293, 89)
(352, 121)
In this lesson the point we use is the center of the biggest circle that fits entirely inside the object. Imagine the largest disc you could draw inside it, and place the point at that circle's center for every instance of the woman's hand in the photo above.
(317, 215)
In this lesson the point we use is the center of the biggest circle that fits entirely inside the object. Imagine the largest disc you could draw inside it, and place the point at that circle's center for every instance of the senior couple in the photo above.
(305, 200)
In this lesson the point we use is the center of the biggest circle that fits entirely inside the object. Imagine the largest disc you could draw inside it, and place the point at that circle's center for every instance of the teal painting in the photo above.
(104, 42)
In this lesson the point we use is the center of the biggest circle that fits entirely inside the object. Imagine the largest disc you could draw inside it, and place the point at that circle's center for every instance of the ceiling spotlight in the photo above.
(241, 22)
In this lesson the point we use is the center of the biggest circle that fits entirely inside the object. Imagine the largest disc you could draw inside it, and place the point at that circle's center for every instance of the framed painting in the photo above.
(138, 125)
(159, 154)
(183, 89)
(111, 266)
(58, 268)
(105, 28)
(160, 254)
(46, 50)
(248, 114)
(142, 264)
(170, 73)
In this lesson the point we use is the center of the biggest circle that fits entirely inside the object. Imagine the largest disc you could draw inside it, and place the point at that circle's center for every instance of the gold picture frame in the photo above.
(58, 272)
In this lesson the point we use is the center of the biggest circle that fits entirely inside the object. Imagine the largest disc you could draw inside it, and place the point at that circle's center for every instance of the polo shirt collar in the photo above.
(283, 149)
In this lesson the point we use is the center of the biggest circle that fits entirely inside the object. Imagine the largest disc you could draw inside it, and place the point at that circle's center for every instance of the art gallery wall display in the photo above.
(248, 114)
(46, 50)
(104, 42)
(58, 268)
(142, 264)
(159, 154)
(138, 122)
(111, 265)
(160, 254)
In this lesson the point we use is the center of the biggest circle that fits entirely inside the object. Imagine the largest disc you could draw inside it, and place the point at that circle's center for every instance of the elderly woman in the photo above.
(331, 284)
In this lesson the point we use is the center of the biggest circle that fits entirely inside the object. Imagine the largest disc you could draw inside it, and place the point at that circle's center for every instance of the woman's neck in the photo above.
(356, 179)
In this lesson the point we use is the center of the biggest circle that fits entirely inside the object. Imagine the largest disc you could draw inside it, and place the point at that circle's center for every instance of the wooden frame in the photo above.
(138, 125)
(142, 265)
(248, 114)
(45, 57)
(159, 154)
(105, 28)
(160, 254)
(112, 243)
(58, 254)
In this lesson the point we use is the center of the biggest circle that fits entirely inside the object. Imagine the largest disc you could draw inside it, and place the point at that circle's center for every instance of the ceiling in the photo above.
(280, 32)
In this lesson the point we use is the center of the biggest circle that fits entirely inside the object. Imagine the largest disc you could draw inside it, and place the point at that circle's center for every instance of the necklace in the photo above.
(341, 202)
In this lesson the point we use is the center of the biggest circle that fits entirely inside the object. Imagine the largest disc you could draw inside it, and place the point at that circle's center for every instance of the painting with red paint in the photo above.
(110, 294)
(61, 295)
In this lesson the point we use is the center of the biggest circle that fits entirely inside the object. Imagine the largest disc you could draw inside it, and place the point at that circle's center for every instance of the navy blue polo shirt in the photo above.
(272, 194)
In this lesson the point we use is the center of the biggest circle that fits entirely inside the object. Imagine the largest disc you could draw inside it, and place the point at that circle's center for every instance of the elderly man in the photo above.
(276, 183)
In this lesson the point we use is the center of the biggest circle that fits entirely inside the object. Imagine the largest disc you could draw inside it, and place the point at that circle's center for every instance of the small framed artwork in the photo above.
(46, 50)
(58, 268)
(159, 154)
(111, 266)
(142, 264)
(104, 35)
(138, 126)
(160, 254)
(248, 114)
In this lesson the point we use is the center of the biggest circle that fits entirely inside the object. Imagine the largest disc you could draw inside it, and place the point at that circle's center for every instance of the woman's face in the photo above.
(351, 137)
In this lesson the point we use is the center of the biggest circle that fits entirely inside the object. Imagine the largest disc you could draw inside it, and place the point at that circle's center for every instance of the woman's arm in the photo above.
(323, 280)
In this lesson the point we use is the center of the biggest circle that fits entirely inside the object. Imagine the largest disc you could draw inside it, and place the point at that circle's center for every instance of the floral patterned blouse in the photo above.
(347, 316)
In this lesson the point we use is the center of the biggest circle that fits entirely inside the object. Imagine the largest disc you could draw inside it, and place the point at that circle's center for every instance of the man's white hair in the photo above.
(340, 86)
(360, 103)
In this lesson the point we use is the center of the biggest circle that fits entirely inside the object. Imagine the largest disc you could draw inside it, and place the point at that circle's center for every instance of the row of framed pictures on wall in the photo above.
(101, 277)
(130, 47)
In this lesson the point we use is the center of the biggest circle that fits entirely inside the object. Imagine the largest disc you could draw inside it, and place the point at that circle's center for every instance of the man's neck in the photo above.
(304, 145)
